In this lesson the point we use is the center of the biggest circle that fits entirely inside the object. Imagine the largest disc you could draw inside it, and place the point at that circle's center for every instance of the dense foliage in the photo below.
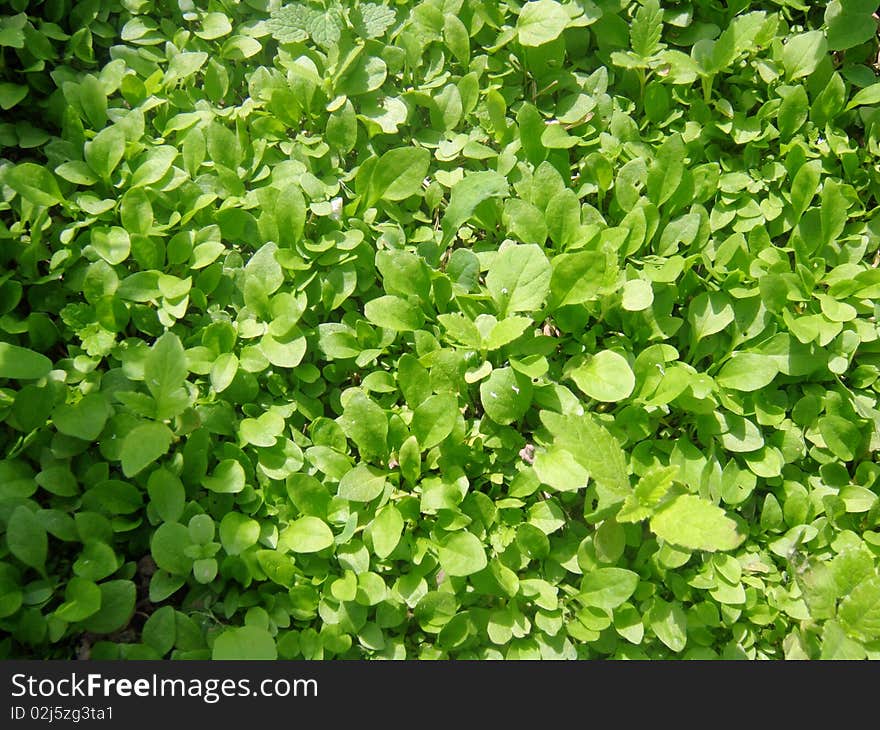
(441, 329)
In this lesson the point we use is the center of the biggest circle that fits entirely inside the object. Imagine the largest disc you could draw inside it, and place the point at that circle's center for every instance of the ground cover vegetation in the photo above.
(441, 329)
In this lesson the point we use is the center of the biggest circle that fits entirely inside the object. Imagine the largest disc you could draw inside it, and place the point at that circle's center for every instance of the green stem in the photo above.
(707, 88)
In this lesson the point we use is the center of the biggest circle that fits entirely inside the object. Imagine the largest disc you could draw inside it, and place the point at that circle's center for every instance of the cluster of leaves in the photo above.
(440, 329)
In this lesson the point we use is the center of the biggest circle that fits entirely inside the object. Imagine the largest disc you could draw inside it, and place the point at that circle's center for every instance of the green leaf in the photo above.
(594, 448)
(840, 435)
(669, 623)
(859, 611)
(747, 371)
(34, 183)
(394, 313)
(803, 53)
(362, 484)
(289, 23)
(96, 561)
(143, 445)
(637, 295)
(667, 170)
(606, 376)
(577, 278)
(168, 547)
(26, 538)
(238, 532)
(244, 643)
(691, 522)
(466, 195)
(607, 588)
(434, 419)
(461, 554)
(165, 372)
(386, 530)
(82, 598)
(20, 363)
(709, 313)
(365, 423)
(849, 23)
(646, 29)
(559, 469)
(84, 419)
(506, 395)
(869, 96)
(371, 20)
(160, 630)
(117, 607)
(540, 22)
(11, 94)
(398, 174)
(228, 478)
(104, 153)
(167, 494)
(519, 279)
(306, 535)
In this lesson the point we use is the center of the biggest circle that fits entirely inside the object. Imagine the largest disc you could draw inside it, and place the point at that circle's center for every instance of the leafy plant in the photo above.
(440, 329)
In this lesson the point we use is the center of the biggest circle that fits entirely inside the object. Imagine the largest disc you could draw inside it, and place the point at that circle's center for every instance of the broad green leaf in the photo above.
(669, 623)
(747, 371)
(559, 469)
(26, 538)
(841, 436)
(691, 522)
(82, 598)
(849, 23)
(607, 588)
(84, 419)
(238, 532)
(466, 195)
(594, 448)
(165, 371)
(461, 554)
(167, 494)
(228, 477)
(802, 54)
(34, 183)
(362, 484)
(398, 174)
(404, 274)
(244, 643)
(385, 530)
(665, 174)
(540, 22)
(117, 607)
(434, 419)
(160, 630)
(168, 546)
(709, 313)
(96, 561)
(394, 313)
(506, 395)
(869, 96)
(143, 445)
(577, 278)
(365, 423)
(372, 19)
(306, 535)
(859, 611)
(19, 363)
(637, 295)
(104, 153)
(606, 376)
(519, 279)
